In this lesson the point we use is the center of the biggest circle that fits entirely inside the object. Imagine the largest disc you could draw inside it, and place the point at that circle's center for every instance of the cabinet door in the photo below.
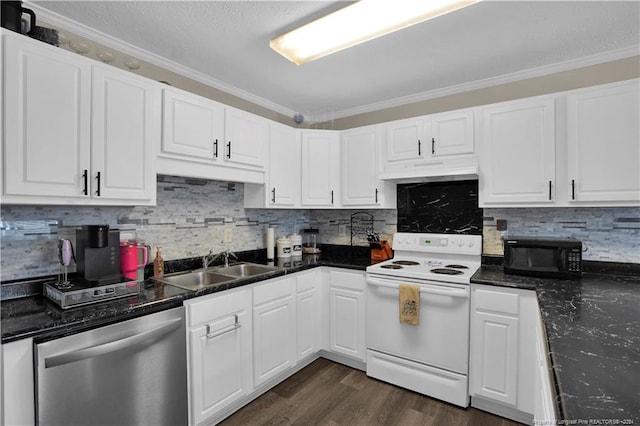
(284, 166)
(220, 367)
(308, 315)
(347, 322)
(192, 125)
(360, 185)
(47, 110)
(274, 325)
(125, 126)
(603, 137)
(494, 357)
(246, 137)
(320, 168)
(452, 133)
(405, 140)
(517, 164)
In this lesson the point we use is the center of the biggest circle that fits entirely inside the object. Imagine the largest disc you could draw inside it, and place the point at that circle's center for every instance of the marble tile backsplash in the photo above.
(191, 216)
(189, 220)
(607, 234)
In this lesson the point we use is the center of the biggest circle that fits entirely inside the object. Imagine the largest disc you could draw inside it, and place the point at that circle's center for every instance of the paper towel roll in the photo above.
(270, 243)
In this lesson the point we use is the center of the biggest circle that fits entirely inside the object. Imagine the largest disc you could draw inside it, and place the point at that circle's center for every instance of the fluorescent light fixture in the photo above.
(357, 23)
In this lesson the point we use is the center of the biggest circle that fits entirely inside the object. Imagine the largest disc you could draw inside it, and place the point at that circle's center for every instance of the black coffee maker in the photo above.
(97, 254)
(11, 17)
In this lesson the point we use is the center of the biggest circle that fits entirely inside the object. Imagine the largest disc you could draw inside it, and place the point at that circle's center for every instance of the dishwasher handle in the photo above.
(453, 292)
(113, 346)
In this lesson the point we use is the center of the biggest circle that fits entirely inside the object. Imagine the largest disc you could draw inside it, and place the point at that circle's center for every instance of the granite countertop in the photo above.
(592, 324)
(38, 317)
(593, 332)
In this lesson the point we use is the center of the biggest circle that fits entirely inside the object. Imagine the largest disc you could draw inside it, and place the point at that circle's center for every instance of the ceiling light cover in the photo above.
(357, 23)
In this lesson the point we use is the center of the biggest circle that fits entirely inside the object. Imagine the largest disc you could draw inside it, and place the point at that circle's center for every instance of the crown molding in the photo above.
(568, 65)
(129, 49)
(99, 37)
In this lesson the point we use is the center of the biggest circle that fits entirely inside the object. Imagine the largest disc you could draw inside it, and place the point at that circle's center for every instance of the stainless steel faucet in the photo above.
(209, 258)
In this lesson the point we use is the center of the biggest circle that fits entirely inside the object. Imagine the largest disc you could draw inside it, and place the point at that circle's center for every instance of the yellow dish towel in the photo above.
(409, 304)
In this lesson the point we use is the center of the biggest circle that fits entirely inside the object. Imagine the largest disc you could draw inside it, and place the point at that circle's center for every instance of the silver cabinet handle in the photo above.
(113, 346)
(236, 325)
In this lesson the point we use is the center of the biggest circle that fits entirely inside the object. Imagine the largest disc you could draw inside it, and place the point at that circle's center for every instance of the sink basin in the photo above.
(241, 270)
(196, 280)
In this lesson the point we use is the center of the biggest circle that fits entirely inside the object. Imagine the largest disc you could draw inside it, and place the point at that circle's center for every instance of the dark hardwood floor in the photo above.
(327, 393)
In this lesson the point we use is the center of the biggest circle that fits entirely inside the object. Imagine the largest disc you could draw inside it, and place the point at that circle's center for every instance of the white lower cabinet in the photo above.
(502, 351)
(309, 322)
(545, 406)
(17, 404)
(219, 352)
(347, 313)
(274, 328)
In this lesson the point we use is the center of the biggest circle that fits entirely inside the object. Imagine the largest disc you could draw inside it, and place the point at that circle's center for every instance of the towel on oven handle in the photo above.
(409, 301)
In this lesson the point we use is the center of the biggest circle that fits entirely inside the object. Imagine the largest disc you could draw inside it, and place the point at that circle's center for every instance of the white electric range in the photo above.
(432, 357)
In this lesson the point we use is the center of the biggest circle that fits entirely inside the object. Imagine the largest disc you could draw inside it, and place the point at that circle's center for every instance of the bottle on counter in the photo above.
(158, 264)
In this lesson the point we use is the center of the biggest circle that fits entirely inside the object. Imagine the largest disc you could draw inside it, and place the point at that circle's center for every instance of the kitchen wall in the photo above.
(191, 215)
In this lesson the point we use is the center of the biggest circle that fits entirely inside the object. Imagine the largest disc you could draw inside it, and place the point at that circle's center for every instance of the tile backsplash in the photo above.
(191, 216)
(607, 234)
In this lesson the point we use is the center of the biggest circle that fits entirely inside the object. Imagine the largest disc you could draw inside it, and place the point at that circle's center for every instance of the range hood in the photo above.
(432, 171)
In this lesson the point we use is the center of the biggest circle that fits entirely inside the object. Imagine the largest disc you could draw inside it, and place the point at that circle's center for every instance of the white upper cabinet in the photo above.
(246, 137)
(517, 162)
(320, 168)
(205, 139)
(603, 144)
(405, 140)
(47, 120)
(76, 131)
(360, 164)
(577, 148)
(192, 125)
(430, 145)
(452, 133)
(124, 130)
(282, 186)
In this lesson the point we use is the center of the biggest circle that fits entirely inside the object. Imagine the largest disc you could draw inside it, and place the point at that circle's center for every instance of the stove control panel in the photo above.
(438, 243)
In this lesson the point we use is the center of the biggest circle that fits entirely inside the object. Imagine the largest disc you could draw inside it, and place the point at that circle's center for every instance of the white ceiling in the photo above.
(228, 42)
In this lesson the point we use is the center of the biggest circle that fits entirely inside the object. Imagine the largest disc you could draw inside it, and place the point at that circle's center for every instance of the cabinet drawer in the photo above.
(349, 280)
(307, 281)
(216, 306)
(273, 290)
(497, 301)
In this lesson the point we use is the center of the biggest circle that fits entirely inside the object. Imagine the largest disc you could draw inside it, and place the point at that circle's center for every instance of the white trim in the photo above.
(600, 58)
(107, 40)
(144, 55)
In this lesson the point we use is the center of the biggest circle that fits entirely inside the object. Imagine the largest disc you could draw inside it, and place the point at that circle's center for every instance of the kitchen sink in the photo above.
(242, 270)
(196, 280)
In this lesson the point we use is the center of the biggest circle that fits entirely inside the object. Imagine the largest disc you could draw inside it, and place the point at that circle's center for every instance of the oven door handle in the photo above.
(453, 292)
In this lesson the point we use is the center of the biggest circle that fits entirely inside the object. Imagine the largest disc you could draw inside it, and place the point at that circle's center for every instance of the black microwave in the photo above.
(541, 257)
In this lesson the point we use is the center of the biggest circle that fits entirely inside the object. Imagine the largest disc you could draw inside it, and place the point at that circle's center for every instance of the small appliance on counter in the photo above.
(98, 255)
(543, 257)
(98, 277)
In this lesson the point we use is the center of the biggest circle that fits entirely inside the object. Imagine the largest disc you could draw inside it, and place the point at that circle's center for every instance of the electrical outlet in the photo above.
(228, 234)
(342, 230)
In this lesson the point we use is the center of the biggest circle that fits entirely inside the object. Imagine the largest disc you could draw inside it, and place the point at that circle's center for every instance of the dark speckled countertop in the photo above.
(593, 331)
(38, 317)
(592, 325)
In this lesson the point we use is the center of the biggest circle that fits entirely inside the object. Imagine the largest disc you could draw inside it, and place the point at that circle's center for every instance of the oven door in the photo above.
(442, 337)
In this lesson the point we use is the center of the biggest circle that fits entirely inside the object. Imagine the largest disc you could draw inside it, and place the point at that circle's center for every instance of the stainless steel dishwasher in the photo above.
(129, 373)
